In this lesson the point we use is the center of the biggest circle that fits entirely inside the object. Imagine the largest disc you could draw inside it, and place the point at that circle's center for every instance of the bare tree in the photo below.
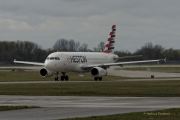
(99, 47)
(83, 48)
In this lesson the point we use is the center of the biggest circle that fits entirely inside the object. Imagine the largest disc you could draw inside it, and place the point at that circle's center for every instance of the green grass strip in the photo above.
(7, 108)
(169, 114)
(123, 88)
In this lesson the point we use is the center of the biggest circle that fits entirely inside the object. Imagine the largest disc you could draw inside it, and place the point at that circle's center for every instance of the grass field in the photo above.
(156, 69)
(20, 76)
(8, 75)
(7, 108)
(169, 114)
(123, 88)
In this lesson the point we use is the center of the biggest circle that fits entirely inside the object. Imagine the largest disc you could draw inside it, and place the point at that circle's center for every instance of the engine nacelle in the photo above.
(98, 72)
(45, 73)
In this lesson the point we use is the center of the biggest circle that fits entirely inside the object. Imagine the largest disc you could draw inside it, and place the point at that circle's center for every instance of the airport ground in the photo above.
(62, 107)
(8, 107)
(168, 114)
(26, 73)
(134, 93)
(154, 68)
(115, 88)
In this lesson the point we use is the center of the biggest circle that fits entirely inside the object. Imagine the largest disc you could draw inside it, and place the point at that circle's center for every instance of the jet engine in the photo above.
(98, 72)
(45, 73)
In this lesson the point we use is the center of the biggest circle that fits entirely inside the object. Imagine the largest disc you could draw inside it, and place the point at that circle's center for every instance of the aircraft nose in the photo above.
(50, 65)
(47, 64)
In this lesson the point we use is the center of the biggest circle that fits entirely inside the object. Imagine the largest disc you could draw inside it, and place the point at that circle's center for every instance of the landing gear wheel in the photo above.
(56, 78)
(98, 78)
(62, 78)
(95, 78)
(66, 78)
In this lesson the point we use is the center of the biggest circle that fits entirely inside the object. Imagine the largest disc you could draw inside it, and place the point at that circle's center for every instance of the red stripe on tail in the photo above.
(109, 45)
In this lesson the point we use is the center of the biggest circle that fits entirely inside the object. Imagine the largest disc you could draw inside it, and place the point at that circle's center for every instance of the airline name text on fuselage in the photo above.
(78, 59)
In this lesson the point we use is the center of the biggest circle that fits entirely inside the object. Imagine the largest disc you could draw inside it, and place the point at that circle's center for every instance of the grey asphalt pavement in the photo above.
(59, 107)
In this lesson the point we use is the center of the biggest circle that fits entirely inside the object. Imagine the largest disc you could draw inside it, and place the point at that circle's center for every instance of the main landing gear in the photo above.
(98, 78)
(63, 77)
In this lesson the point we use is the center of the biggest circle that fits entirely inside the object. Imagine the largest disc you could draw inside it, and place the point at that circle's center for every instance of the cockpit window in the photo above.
(52, 58)
(57, 58)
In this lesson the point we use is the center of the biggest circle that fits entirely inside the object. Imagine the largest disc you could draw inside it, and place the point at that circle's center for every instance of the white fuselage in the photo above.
(73, 61)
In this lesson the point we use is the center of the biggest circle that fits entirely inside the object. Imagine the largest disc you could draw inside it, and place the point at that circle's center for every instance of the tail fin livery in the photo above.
(109, 45)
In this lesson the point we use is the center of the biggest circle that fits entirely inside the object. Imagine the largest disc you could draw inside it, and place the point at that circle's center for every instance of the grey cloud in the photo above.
(89, 21)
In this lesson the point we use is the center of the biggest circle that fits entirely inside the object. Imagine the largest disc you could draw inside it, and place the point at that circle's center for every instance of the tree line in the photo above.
(21, 50)
(29, 51)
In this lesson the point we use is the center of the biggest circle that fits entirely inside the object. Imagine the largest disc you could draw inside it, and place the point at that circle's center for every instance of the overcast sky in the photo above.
(89, 21)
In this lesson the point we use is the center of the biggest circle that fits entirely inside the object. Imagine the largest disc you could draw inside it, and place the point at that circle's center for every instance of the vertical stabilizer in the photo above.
(109, 44)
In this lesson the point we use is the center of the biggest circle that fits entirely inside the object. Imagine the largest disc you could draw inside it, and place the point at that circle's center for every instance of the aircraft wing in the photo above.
(29, 63)
(122, 63)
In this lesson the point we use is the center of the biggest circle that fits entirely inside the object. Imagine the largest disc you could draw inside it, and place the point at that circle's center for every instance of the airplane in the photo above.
(96, 63)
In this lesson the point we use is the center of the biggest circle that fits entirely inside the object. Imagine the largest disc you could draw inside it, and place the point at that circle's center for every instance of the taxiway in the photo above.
(60, 107)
